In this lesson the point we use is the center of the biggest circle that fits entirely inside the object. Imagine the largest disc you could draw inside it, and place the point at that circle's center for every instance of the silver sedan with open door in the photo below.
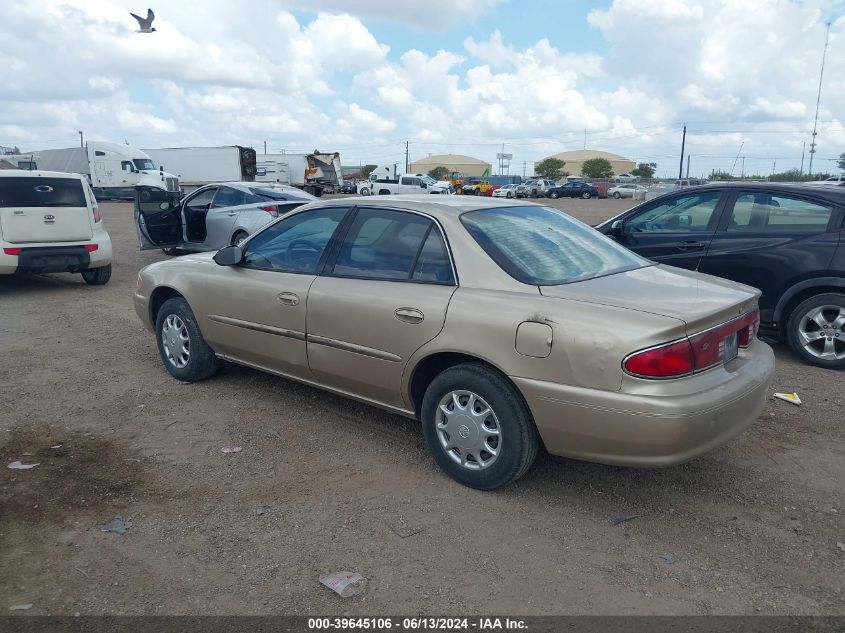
(211, 217)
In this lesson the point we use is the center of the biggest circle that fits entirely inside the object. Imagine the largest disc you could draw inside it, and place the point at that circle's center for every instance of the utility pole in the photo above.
(818, 100)
(524, 163)
(775, 163)
(81, 141)
(683, 144)
(265, 148)
(407, 156)
(743, 168)
(688, 157)
(585, 138)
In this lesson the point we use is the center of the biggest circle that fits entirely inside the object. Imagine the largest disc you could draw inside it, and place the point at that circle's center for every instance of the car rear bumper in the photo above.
(652, 430)
(55, 258)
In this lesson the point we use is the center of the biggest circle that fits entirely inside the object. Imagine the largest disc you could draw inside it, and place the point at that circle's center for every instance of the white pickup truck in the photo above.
(404, 184)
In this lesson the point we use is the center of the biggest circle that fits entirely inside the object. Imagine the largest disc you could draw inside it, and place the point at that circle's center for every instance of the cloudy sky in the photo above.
(459, 76)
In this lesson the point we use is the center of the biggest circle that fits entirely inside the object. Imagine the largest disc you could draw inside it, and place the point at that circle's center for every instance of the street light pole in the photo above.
(81, 141)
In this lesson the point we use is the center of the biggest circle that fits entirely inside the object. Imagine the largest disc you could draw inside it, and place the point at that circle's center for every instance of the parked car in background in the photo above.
(50, 223)
(348, 187)
(534, 188)
(462, 314)
(833, 180)
(505, 191)
(625, 191)
(785, 239)
(626, 178)
(211, 217)
(573, 190)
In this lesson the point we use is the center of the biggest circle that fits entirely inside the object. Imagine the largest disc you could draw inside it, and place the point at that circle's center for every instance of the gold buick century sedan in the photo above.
(500, 325)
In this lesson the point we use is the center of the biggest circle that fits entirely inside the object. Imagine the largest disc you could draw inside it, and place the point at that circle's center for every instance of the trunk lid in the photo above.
(701, 301)
(44, 209)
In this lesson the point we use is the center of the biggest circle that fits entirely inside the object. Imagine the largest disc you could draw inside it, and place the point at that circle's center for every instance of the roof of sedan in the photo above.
(793, 187)
(436, 205)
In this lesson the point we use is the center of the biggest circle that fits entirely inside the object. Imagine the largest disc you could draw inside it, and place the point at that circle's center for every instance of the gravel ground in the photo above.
(324, 484)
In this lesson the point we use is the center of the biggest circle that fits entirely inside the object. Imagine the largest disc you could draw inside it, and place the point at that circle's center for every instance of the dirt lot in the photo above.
(324, 484)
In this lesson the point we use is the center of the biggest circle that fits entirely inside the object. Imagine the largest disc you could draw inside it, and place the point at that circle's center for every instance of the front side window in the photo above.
(680, 214)
(764, 212)
(382, 244)
(545, 247)
(144, 163)
(41, 192)
(294, 244)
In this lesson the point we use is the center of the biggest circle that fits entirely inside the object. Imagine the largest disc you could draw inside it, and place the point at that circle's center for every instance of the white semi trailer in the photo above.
(316, 173)
(112, 169)
(198, 166)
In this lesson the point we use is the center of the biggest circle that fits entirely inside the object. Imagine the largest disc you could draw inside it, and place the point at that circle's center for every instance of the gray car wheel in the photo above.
(97, 276)
(586, 195)
(617, 195)
(478, 427)
(182, 348)
(816, 330)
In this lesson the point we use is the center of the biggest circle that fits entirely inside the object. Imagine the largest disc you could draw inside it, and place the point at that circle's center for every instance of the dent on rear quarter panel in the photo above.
(589, 341)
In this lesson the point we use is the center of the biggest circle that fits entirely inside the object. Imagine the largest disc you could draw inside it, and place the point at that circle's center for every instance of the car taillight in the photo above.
(750, 327)
(696, 353)
(91, 247)
(269, 208)
(666, 361)
(14, 250)
(97, 216)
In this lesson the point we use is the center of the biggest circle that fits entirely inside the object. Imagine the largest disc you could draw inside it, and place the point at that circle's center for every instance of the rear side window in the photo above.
(41, 192)
(228, 197)
(382, 244)
(767, 213)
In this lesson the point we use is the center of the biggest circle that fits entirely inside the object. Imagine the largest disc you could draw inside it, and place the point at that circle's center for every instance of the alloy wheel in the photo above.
(821, 332)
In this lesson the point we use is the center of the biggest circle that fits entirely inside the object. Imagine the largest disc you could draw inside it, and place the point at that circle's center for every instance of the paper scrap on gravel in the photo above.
(17, 465)
(789, 397)
(231, 449)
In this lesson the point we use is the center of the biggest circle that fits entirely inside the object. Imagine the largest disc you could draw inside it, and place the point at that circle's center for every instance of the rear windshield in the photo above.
(545, 247)
(41, 192)
(268, 195)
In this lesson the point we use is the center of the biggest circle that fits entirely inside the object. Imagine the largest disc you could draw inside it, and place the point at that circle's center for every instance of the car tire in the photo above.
(97, 276)
(239, 237)
(586, 195)
(384, 192)
(554, 195)
(172, 251)
(800, 325)
(517, 441)
(508, 195)
(175, 323)
(617, 195)
(365, 192)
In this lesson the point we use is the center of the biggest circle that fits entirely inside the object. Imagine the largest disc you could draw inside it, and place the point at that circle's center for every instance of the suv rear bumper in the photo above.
(56, 258)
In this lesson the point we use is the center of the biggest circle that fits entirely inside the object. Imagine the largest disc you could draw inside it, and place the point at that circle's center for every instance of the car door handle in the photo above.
(232, 213)
(691, 245)
(288, 299)
(409, 315)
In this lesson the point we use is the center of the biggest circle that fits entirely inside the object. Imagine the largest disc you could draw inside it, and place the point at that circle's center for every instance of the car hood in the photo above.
(700, 300)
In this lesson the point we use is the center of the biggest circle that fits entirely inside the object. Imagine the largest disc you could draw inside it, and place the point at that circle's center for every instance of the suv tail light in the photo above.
(96, 211)
(696, 353)
(269, 208)
(12, 250)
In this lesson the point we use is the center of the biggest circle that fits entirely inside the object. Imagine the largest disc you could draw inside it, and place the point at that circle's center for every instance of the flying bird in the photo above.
(145, 24)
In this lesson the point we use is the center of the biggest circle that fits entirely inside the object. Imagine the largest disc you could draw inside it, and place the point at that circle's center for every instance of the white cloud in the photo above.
(425, 14)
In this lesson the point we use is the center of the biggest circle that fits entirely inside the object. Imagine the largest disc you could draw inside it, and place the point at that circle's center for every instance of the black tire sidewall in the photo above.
(97, 276)
(202, 363)
(519, 437)
(828, 298)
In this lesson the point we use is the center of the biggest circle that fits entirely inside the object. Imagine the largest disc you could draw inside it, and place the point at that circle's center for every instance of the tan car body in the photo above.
(561, 346)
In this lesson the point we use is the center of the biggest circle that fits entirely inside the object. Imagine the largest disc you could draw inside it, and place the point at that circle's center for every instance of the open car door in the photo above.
(158, 218)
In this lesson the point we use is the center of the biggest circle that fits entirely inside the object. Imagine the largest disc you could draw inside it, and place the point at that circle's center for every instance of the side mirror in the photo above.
(617, 229)
(229, 256)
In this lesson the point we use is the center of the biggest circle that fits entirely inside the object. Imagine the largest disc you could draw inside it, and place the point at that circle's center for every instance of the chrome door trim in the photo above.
(353, 348)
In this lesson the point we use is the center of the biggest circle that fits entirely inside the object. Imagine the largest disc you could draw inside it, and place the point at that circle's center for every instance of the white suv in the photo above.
(50, 223)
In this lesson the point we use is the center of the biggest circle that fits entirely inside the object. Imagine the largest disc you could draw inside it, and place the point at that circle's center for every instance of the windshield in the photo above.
(545, 247)
(41, 192)
(143, 163)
